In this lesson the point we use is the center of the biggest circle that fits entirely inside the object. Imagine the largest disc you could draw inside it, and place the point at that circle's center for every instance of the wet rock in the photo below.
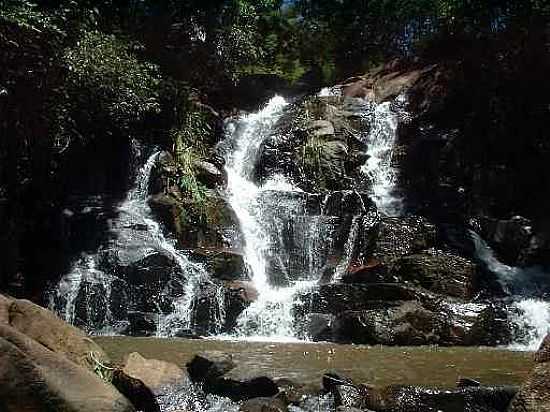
(168, 209)
(373, 271)
(534, 394)
(321, 128)
(477, 324)
(411, 323)
(342, 388)
(516, 241)
(407, 324)
(33, 378)
(159, 376)
(208, 309)
(401, 236)
(236, 390)
(222, 264)
(336, 298)
(135, 391)
(160, 180)
(415, 399)
(318, 326)
(209, 366)
(264, 405)
(209, 174)
(141, 323)
(293, 393)
(238, 297)
(439, 272)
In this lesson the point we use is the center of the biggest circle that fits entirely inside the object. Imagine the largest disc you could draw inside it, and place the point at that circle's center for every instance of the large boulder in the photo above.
(439, 272)
(401, 236)
(222, 264)
(47, 329)
(35, 378)
(405, 398)
(209, 366)
(264, 405)
(407, 324)
(534, 394)
(157, 375)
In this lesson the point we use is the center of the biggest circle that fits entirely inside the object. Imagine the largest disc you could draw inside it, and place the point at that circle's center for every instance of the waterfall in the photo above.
(270, 316)
(380, 141)
(97, 296)
(531, 314)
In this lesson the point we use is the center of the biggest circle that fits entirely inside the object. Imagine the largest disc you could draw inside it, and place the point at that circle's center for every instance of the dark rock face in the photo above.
(416, 399)
(534, 394)
(395, 314)
(209, 366)
(465, 160)
(315, 142)
(439, 272)
(135, 391)
(217, 227)
(221, 264)
(402, 236)
(209, 369)
(264, 405)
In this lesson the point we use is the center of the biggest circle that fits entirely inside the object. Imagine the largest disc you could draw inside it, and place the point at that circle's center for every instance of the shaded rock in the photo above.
(321, 128)
(534, 394)
(415, 323)
(260, 387)
(34, 378)
(159, 376)
(141, 323)
(318, 326)
(293, 393)
(223, 264)
(407, 324)
(264, 405)
(209, 365)
(373, 271)
(360, 88)
(168, 209)
(238, 297)
(440, 272)
(209, 174)
(336, 298)
(5, 304)
(485, 324)
(209, 314)
(415, 399)
(47, 329)
(342, 388)
(135, 391)
(516, 241)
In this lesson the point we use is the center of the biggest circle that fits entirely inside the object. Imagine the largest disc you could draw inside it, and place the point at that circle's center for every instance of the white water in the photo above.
(270, 316)
(380, 141)
(533, 314)
(130, 244)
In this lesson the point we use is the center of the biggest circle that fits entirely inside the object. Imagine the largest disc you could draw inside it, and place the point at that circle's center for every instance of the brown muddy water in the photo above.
(306, 362)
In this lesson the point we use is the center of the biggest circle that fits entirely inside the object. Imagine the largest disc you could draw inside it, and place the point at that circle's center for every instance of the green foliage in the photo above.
(112, 77)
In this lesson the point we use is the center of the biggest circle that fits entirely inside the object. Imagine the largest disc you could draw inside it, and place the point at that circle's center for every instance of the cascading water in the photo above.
(101, 297)
(530, 314)
(380, 141)
(270, 315)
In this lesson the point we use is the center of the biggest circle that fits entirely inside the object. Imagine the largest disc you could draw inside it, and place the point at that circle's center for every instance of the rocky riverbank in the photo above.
(49, 364)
